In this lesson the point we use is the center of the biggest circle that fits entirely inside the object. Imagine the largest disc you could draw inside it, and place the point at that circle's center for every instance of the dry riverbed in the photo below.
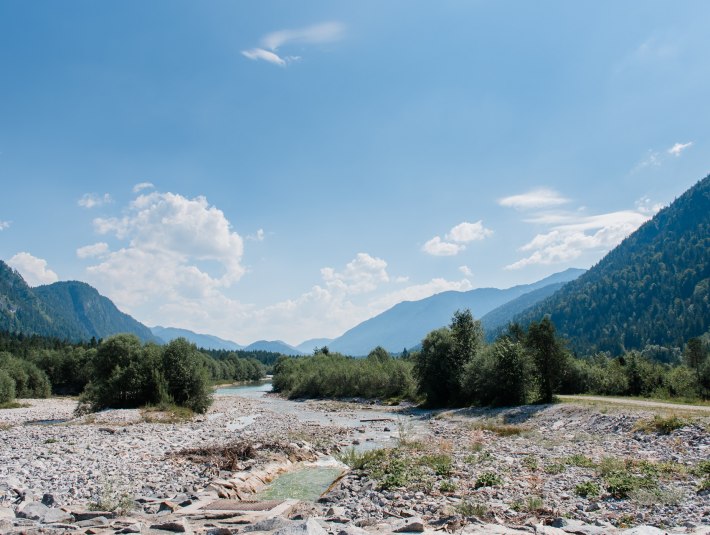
(549, 469)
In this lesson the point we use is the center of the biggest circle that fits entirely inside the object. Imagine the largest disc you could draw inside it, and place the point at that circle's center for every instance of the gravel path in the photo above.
(640, 403)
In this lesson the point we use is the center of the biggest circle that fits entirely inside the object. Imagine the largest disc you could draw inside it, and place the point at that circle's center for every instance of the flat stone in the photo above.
(269, 524)
(644, 530)
(6, 513)
(413, 525)
(93, 522)
(33, 511)
(175, 526)
(132, 528)
(309, 527)
(570, 525)
(54, 516)
(81, 514)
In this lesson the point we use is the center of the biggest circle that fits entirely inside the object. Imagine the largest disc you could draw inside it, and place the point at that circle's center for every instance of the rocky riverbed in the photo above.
(547, 469)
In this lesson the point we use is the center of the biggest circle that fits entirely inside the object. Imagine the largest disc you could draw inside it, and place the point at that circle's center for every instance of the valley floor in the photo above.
(521, 470)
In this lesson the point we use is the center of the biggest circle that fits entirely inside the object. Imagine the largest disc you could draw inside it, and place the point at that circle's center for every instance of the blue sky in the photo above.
(287, 170)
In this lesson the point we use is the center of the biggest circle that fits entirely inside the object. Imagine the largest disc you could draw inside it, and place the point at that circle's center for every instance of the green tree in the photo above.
(695, 356)
(431, 367)
(467, 337)
(7, 388)
(548, 356)
(379, 354)
(186, 377)
(510, 371)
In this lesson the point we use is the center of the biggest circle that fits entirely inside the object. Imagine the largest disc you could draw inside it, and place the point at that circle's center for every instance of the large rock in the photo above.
(55, 516)
(309, 527)
(412, 525)
(32, 511)
(269, 524)
(6, 513)
(577, 527)
(645, 530)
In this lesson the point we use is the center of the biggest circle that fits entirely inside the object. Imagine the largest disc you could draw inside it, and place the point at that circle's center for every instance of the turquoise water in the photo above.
(306, 484)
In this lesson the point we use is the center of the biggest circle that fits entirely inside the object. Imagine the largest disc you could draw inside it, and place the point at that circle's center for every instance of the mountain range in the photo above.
(652, 289)
(404, 325)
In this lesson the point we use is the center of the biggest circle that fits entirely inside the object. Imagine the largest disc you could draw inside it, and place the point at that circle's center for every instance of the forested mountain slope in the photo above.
(653, 288)
(66, 310)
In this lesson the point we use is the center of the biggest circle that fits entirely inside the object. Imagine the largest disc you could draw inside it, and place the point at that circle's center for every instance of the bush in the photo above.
(587, 489)
(30, 381)
(7, 388)
(488, 479)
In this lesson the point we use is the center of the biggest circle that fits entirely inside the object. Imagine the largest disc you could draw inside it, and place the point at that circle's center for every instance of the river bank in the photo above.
(467, 470)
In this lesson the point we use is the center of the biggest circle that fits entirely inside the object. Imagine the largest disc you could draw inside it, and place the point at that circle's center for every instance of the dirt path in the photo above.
(640, 403)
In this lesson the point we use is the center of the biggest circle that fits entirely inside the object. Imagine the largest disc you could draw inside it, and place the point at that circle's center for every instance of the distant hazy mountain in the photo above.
(205, 341)
(653, 288)
(274, 346)
(308, 346)
(67, 310)
(405, 324)
(498, 318)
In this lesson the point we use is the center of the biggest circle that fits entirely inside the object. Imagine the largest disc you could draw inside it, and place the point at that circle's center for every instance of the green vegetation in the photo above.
(488, 479)
(120, 371)
(333, 375)
(663, 425)
(588, 489)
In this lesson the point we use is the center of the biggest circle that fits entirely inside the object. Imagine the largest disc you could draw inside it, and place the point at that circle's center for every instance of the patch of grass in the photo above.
(530, 462)
(663, 425)
(112, 496)
(13, 405)
(580, 460)
(648, 497)
(530, 504)
(622, 483)
(554, 468)
(610, 465)
(500, 429)
(588, 489)
(472, 509)
(166, 413)
(51, 441)
(488, 479)
(447, 486)
(702, 468)
(477, 458)
(391, 468)
(704, 484)
(440, 464)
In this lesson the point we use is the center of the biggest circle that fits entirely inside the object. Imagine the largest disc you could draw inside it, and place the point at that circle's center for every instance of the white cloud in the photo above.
(647, 207)
(89, 251)
(437, 247)
(266, 55)
(363, 274)
(170, 241)
(578, 235)
(456, 239)
(142, 185)
(538, 198)
(467, 232)
(676, 149)
(466, 271)
(258, 236)
(91, 200)
(319, 33)
(4, 225)
(34, 270)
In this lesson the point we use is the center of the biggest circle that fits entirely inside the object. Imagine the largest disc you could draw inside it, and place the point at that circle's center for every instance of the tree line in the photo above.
(456, 367)
(118, 372)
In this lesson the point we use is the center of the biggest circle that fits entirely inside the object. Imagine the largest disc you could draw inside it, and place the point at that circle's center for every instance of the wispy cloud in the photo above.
(34, 270)
(466, 271)
(271, 43)
(676, 149)
(456, 239)
(572, 234)
(142, 185)
(91, 200)
(4, 225)
(537, 198)
(257, 236)
(655, 158)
